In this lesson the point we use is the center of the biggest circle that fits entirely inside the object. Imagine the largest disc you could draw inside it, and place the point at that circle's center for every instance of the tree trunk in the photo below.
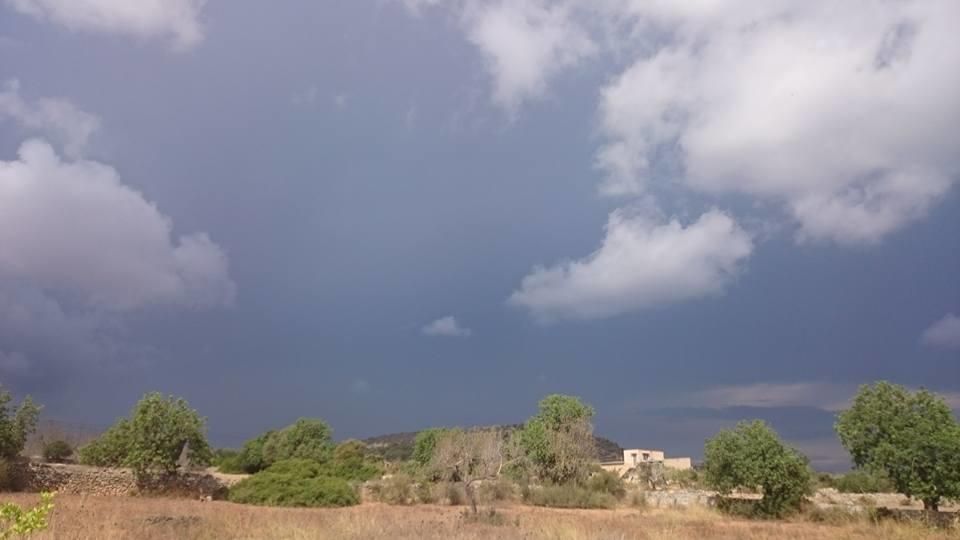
(931, 505)
(471, 496)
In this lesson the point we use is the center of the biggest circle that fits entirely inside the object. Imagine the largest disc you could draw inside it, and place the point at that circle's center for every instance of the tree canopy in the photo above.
(558, 440)
(751, 456)
(911, 437)
(153, 438)
(16, 425)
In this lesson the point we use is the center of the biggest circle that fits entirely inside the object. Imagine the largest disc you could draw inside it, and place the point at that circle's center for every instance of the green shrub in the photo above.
(607, 482)
(19, 523)
(304, 439)
(57, 451)
(424, 444)
(825, 480)
(109, 449)
(686, 478)
(570, 496)
(277, 489)
(861, 481)
(351, 462)
(307, 438)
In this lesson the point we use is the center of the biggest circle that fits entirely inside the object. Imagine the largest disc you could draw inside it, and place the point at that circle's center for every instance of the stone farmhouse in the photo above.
(638, 456)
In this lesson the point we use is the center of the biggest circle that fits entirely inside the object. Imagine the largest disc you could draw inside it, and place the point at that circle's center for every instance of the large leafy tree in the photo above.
(558, 440)
(307, 438)
(153, 438)
(912, 437)
(16, 424)
(751, 456)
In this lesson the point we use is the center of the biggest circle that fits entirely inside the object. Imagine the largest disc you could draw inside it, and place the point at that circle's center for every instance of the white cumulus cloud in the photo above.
(643, 262)
(73, 228)
(176, 20)
(842, 112)
(525, 43)
(944, 334)
(445, 326)
(56, 118)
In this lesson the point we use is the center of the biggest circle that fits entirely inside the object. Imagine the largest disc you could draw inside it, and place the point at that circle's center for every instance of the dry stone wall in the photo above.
(83, 480)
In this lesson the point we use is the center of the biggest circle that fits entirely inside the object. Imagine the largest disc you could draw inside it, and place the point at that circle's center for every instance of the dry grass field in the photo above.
(106, 518)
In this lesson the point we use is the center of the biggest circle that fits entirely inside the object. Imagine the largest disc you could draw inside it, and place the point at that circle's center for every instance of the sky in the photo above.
(397, 214)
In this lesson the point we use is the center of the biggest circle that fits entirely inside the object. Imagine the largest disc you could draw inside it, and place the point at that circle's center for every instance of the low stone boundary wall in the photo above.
(670, 498)
(83, 480)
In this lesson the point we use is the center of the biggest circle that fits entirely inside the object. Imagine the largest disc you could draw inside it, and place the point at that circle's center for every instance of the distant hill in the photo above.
(399, 446)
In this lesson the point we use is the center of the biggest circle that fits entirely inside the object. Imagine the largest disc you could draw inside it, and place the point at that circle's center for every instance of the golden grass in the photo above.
(106, 518)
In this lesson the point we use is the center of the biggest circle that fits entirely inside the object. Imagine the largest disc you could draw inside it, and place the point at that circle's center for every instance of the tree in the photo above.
(250, 459)
(558, 440)
(153, 439)
(911, 437)
(307, 438)
(470, 456)
(57, 451)
(424, 445)
(15, 427)
(751, 456)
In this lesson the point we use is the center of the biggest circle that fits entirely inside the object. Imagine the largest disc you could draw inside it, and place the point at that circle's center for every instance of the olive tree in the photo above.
(911, 437)
(470, 456)
(751, 456)
(558, 440)
(16, 425)
(159, 430)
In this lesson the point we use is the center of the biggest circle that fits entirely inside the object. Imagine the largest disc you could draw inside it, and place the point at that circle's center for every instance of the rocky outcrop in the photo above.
(83, 480)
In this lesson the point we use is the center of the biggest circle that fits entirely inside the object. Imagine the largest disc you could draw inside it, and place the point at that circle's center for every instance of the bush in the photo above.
(864, 482)
(607, 482)
(17, 521)
(250, 458)
(304, 439)
(496, 490)
(307, 438)
(456, 495)
(277, 489)
(57, 451)
(350, 462)
(570, 496)
(397, 489)
(424, 492)
(109, 449)
(687, 478)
